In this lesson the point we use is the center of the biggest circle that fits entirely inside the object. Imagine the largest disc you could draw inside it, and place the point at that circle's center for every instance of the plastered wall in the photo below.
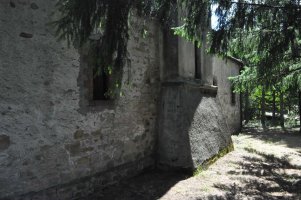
(222, 70)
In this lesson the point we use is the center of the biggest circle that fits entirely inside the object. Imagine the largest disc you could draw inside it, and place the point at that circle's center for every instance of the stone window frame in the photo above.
(85, 83)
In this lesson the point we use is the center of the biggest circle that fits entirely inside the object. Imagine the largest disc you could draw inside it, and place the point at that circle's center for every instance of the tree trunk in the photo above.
(299, 109)
(274, 108)
(281, 110)
(263, 108)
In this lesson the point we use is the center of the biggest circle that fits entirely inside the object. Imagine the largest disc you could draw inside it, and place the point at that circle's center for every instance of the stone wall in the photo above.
(53, 142)
(222, 70)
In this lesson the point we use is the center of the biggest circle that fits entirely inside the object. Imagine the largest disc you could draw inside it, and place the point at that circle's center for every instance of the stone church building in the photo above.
(61, 139)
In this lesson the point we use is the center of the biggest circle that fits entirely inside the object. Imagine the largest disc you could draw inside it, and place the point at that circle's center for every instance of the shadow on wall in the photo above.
(192, 128)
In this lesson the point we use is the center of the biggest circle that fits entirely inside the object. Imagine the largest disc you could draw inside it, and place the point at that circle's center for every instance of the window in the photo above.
(100, 84)
(197, 62)
(94, 84)
(233, 96)
(214, 81)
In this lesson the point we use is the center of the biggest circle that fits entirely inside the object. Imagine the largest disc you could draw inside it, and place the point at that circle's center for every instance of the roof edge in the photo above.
(236, 60)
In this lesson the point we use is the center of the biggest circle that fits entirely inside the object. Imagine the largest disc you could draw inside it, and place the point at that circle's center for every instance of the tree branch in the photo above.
(293, 70)
(262, 5)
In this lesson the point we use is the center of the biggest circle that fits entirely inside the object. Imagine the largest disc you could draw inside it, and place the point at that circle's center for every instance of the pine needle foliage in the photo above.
(270, 28)
(79, 19)
(275, 26)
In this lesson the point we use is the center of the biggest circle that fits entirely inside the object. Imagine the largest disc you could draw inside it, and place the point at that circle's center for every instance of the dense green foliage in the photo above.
(276, 24)
(269, 45)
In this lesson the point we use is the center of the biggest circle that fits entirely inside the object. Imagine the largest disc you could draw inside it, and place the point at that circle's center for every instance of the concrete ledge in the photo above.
(197, 84)
(209, 89)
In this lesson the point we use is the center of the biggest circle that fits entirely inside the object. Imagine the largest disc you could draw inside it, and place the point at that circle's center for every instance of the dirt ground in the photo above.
(264, 165)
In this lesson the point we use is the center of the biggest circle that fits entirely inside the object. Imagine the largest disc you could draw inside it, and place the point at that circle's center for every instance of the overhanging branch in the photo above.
(264, 5)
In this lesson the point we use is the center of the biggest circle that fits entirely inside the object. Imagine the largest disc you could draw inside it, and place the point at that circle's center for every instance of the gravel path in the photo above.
(264, 165)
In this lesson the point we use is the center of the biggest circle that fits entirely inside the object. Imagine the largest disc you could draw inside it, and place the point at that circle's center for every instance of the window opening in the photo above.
(233, 96)
(214, 81)
(100, 84)
(197, 60)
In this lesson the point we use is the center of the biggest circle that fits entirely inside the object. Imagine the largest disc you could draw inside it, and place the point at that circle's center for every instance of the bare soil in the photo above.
(264, 165)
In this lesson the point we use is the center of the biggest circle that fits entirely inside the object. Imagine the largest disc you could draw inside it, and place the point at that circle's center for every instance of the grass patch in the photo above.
(250, 149)
(213, 159)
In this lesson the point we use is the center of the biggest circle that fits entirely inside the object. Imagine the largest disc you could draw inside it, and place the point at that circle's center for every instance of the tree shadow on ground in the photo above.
(287, 136)
(148, 186)
(262, 176)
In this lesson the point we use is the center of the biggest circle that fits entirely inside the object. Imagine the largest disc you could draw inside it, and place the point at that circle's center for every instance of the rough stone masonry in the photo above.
(57, 143)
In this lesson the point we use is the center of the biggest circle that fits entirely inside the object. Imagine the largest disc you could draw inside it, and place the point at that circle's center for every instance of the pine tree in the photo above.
(265, 34)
